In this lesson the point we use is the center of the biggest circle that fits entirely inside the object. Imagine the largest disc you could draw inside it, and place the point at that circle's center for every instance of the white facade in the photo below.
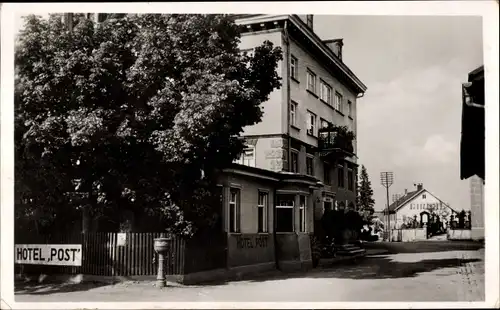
(423, 202)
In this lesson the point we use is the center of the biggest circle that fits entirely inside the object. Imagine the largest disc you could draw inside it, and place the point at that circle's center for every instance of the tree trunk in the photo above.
(85, 219)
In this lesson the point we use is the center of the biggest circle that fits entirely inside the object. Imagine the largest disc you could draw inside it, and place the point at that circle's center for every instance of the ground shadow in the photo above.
(372, 267)
(424, 246)
(382, 267)
(30, 288)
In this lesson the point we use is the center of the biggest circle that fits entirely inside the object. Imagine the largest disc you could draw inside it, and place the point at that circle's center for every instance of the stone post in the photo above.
(477, 208)
(162, 247)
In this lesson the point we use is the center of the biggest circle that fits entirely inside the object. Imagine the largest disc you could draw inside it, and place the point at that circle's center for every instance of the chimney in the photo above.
(336, 46)
(310, 21)
(406, 191)
(68, 21)
(420, 186)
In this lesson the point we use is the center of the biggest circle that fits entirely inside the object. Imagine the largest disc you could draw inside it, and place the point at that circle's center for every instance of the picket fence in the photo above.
(102, 255)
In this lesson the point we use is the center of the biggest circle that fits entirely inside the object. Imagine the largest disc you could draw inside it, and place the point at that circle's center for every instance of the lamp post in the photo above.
(387, 179)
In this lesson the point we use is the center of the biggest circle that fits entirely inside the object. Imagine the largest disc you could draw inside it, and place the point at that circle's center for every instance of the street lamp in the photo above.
(387, 179)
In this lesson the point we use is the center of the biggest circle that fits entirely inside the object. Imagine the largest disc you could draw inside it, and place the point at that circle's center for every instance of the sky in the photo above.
(409, 120)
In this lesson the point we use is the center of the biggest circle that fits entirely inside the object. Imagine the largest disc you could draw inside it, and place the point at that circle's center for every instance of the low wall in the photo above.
(287, 251)
(409, 235)
(459, 234)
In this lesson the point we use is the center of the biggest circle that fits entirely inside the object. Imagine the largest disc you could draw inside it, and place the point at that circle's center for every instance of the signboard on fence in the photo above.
(121, 239)
(49, 254)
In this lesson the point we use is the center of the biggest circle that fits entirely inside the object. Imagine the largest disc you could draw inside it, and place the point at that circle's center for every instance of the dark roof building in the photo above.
(472, 149)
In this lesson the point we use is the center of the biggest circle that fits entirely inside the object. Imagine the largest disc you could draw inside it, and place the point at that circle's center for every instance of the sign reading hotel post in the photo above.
(49, 254)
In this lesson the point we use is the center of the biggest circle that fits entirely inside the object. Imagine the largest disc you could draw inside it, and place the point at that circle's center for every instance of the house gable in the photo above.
(420, 202)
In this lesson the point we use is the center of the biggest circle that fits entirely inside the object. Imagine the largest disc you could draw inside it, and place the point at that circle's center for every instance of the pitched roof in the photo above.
(409, 196)
(403, 200)
(312, 38)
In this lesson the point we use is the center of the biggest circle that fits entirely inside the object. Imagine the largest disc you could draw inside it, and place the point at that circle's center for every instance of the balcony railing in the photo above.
(336, 140)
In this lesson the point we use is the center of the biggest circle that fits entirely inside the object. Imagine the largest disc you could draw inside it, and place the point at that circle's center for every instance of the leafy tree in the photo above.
(136, 113)
(364, 198)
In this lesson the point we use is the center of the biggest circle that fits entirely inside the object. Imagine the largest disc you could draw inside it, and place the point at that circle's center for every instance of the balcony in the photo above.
(336, 141)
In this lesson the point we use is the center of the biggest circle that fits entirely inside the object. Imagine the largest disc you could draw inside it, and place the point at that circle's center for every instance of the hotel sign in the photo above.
(49, 254)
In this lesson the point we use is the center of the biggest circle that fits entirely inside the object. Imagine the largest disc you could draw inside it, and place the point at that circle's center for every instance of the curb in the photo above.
(78, 279)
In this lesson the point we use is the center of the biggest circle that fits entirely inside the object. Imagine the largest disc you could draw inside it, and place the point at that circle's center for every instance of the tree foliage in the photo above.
(364, 198)
(127, 114)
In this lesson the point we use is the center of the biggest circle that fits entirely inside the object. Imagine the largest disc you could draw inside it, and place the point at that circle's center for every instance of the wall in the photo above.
(420, 204)
(249, 191)
(409, 235)
(271, 153)
(273, 119)
(307, 101)
(343, 193)
(250, 249)
(459, 234)
(287, 247)
(477, 207)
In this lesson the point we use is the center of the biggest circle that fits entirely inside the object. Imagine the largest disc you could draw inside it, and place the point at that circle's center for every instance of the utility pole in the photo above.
(387, 179)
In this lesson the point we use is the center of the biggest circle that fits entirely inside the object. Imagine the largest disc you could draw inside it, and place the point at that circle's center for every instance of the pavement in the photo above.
(405, 272)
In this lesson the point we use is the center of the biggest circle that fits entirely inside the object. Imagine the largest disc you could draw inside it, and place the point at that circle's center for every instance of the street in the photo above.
(410, 272)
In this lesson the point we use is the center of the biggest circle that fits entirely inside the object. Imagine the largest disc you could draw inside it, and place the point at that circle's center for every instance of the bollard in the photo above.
(161, 246)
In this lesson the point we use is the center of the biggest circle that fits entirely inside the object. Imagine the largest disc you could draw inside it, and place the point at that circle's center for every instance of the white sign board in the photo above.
(122, 239)
(49, 254)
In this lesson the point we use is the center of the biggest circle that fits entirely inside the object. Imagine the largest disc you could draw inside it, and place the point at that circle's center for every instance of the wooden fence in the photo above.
(103, 255)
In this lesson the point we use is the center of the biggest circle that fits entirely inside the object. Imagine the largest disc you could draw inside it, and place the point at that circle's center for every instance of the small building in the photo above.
(418, 205)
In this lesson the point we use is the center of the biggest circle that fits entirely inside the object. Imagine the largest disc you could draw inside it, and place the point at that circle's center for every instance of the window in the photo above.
(340, 171)
(294, 67)
(293, 113)
(349, 108)
(311, 123)
(294, 162)
(234, 216)
(247, 158)
(324, 124)
(310, 165)
(326, 174)
(311, 81)
(325, 92)
(302, 213)
(338, 102)
(284, 213)
(423, 196)
(101, 17)
(250, 53)
(327, 206)
(262, 211)
(350, 180)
